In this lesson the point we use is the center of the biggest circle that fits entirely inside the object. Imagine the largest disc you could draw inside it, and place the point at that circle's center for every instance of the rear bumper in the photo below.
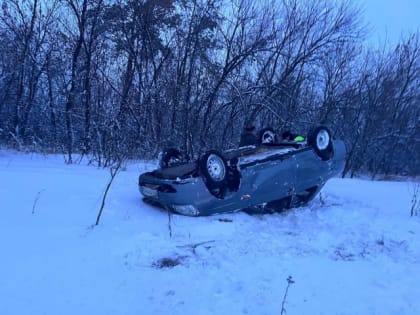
(186, 196)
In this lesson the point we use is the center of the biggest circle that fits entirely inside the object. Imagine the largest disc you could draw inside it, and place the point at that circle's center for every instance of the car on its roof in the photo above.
(267, 177)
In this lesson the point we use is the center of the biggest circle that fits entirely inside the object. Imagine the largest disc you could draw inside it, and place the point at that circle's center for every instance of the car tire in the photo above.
(267, 136)
(213, 168)
(320, 140)
(169, 157)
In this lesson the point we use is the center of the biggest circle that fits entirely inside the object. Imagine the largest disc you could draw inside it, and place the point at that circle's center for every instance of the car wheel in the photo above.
(267, 136)
(213, 168)
(169, 157)
(320, 140)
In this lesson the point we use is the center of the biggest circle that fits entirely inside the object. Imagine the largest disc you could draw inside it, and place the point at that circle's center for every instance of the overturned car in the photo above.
(264, 178)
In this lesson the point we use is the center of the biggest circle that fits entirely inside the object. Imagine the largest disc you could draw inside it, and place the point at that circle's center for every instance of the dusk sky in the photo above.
(390, 18)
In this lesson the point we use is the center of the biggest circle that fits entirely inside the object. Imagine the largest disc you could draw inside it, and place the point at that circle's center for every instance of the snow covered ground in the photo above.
(354, 250)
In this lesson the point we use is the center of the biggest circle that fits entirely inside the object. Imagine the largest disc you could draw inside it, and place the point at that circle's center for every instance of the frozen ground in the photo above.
(355, 250)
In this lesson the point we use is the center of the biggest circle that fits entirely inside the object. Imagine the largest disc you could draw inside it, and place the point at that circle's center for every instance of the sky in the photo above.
(388, 19)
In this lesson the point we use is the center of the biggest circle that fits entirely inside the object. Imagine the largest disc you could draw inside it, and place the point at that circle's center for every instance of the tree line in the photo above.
(113, 78)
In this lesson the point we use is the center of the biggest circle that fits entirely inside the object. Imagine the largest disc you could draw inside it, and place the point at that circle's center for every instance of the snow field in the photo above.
(353, 250)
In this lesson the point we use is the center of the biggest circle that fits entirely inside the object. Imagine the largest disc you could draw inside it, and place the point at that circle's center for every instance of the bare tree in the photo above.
(119, 79)
(27, 26)
(79, 10)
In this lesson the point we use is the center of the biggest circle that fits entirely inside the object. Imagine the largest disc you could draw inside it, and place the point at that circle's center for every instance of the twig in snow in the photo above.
(8, 163)
(114, 171)
(321, 199)
(194, 246)
(36, 200)
(415, 202)
(290, 281)
(169, 221)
